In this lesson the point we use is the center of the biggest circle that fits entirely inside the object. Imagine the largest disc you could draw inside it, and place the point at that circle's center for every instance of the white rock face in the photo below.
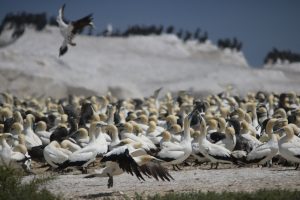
(130, 67)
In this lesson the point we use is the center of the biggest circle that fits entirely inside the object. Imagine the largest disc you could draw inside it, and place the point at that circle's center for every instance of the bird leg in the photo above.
(217, 165)
(110, 182)
(297, 166)
(178, 167)
(270, 163)
(197, 163)
(211, 165)
(186, 163)
(174, 168)
(84, 170)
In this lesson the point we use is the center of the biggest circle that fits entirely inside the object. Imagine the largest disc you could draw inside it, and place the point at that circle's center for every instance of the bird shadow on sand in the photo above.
(97, 195)
(284, 169)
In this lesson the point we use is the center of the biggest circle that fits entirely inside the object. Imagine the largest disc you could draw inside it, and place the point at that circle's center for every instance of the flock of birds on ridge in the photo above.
(145, 136)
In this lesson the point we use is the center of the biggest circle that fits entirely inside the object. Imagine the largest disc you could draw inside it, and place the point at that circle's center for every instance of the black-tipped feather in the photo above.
(217, 136)
(126, 163)
(37, 153)
(81, 23)
(59, 134)
(156, 170)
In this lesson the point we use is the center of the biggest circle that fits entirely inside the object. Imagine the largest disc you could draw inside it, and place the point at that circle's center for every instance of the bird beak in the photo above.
(101, 124)
(281, 121)
(7, 135)
(120, 125)
(281, 130)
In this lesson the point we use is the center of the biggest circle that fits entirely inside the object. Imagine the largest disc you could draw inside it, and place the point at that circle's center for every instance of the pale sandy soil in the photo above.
(72, 186)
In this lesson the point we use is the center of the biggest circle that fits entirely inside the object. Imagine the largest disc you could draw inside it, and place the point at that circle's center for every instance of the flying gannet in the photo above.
(68, 30)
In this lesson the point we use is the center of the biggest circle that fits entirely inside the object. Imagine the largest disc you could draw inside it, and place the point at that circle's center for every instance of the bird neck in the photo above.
(187, 133)
(4, 143)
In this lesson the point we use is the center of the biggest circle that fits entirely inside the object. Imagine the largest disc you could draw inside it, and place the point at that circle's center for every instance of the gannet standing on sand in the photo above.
(68, 30)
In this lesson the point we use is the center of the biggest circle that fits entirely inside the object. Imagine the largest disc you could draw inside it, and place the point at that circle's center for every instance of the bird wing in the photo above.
(172, 146)
(167, 155)
(81, 156)
(294, 148)
(17, 156)
(78, 25)
(55, 155)
(60, 17)
(154, 169)
(259, 152)
(126, 162)
(219, 151)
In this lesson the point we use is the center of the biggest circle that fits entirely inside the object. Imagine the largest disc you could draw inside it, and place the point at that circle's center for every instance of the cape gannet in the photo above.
(68, 30)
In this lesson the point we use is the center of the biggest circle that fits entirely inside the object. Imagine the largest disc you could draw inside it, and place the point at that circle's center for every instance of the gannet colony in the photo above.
(142, 105)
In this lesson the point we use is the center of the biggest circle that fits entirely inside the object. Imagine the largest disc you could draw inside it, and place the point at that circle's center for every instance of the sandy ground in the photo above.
(75, 186)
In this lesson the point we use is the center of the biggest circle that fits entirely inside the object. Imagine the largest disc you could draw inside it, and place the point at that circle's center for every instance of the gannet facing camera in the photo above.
(68, 30)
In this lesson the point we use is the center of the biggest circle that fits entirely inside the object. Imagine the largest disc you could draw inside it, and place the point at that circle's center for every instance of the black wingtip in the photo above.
(63, 166)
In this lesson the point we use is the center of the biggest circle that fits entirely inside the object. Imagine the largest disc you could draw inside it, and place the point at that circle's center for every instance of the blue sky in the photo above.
(260, 25)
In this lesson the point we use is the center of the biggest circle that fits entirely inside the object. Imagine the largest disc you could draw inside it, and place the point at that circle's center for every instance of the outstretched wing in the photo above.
(81, 23)
(60, 18)
(155, 170)
(126, 162)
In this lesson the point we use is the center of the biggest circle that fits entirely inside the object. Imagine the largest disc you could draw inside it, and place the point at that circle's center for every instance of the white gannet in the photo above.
(6, 150)
(55, 155)
(246, 134)
(126, 131)
(266, 151)
(20, 154)
(81, 136)
(215, 153)
(16, 130)
(229, 141)
(86, 155)
(32, 140)
(153, 134)
(67, 144)
(195, 149)
(176, 133)
(289, 145)
(68, 30)
(14, 157)
(176, 153)
(42, 133)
